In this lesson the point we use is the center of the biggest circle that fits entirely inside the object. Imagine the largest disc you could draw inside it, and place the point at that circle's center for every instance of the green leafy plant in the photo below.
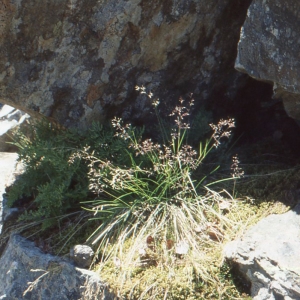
(155, 212)
(54, 184)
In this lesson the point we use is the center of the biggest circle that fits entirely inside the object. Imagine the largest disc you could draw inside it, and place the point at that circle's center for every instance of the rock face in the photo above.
(268, 256)
(268, 49)
(27, 273)
(77, 61)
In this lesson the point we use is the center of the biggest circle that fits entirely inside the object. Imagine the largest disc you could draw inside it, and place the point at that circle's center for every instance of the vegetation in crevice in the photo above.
(156, 211)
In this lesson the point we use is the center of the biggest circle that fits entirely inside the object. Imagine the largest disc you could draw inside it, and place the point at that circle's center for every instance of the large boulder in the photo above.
(268, 256)
(76, 61)
(27, 273)
(268, 49)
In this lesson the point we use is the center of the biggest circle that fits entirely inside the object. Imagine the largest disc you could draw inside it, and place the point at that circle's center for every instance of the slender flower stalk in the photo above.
(157, 200)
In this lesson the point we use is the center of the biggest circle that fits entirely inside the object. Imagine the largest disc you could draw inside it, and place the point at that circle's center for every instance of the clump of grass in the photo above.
(156, 216)
(160, 220)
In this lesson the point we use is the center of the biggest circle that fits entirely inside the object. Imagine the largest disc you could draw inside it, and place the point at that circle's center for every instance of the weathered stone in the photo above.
(268, 256)
(82, 255)
(77, 61)
(268, 49)
(27, 273)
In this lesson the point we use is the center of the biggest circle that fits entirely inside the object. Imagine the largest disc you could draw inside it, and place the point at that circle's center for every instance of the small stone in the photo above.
(82, 255)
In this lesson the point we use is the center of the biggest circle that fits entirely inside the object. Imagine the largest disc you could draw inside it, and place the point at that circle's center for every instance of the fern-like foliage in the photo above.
(56, 184)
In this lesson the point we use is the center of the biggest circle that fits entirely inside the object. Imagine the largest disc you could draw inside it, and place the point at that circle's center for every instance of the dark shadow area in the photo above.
(257, 114)
(241, 283)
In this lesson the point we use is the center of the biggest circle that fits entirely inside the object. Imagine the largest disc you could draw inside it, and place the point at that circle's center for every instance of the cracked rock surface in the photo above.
(77, 61)
(268, 49)
(28, 273)
(268, 256)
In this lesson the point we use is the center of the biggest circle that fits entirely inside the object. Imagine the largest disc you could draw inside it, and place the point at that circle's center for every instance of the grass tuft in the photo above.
(156, 215)
(155, 210)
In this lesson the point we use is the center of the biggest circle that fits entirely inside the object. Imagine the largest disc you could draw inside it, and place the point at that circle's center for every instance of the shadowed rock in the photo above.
(76, 61)
(268, 49)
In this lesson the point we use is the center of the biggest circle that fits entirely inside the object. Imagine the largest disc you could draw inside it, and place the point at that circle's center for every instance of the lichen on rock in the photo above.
(268, 49)
(75, 61)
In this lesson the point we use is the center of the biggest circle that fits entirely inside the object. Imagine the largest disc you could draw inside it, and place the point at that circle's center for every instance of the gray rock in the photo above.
(268, 256)
(82, 255)
(82, 62)
(27, 273)
(268, 49)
